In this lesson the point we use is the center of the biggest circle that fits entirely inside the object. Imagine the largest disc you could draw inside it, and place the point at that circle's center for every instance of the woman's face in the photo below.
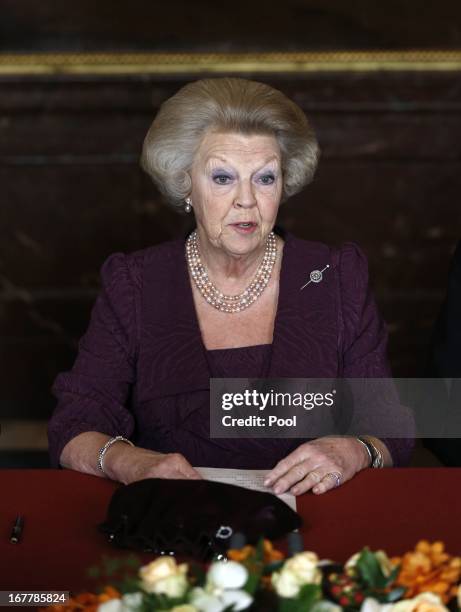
(236, 190)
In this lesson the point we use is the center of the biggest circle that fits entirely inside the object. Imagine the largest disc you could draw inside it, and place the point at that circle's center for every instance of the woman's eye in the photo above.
(222, 179)
(267, 179)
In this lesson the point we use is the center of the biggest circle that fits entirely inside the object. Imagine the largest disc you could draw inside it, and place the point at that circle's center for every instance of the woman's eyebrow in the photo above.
(269, 160)
(210, 160)
(213, 160)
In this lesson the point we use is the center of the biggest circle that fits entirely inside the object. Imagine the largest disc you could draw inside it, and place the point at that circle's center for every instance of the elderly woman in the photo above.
(226, 302)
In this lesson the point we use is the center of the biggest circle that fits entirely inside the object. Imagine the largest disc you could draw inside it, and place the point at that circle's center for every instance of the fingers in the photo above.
(319, 465)
(187, 471)
(284, 466)
(311, 479)
(331, 480)
(297, 474)
(291, 480)
(298, 481)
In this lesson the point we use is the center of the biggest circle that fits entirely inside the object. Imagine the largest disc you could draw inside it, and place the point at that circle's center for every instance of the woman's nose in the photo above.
(245, 198)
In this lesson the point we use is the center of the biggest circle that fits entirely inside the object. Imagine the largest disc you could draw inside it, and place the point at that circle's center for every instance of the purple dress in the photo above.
(142, 370)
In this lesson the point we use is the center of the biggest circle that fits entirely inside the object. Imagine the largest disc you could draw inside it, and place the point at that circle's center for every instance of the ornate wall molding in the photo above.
(114, 64)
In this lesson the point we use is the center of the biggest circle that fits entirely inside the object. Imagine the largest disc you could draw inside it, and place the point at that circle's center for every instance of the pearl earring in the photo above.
(188, 205)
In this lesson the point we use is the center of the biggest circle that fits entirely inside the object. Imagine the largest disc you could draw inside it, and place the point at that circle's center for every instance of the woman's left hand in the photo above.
(319, 465)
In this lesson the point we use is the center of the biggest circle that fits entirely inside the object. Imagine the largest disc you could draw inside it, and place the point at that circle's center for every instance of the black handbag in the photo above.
(193, 517)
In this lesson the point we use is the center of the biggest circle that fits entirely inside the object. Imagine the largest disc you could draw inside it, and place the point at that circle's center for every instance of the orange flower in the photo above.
(429, 569)
(270, 554)
(240, 554)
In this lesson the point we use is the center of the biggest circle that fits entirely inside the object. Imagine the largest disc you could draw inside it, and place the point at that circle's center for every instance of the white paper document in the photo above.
(250, 479)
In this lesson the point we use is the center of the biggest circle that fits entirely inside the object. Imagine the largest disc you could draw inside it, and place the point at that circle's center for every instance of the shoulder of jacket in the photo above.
(133, 264)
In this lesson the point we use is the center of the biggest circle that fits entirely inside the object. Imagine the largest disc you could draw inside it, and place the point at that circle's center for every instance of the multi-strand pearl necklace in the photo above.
(217, 299)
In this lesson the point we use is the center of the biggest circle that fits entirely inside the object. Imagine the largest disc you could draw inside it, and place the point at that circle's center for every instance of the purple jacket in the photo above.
(142, 369)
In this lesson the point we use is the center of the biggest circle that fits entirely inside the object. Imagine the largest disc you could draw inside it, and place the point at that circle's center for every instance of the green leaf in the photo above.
(310, 593)
(393, 575)
(153, 601)
(307, 597)
(129, 585)
(370, 570)
(288, 605)
(259, 551)
(252, 583)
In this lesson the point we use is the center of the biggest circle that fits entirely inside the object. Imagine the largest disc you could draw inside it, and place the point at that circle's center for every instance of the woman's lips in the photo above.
(243, 227)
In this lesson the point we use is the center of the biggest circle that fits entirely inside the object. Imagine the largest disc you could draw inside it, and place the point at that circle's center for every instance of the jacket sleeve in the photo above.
(93, 395)
(363, 349)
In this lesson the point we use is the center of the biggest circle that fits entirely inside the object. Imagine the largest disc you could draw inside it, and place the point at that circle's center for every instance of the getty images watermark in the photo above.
(312, 408)
(273, 401)
(270, 408)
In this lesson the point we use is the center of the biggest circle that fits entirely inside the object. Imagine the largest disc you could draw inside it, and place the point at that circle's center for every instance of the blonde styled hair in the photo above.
(226, 105)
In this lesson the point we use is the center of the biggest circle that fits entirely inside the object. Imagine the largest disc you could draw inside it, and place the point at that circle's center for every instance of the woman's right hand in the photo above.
(128, 464)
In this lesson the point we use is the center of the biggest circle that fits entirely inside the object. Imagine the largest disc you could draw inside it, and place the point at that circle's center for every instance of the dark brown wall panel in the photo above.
(208, 25)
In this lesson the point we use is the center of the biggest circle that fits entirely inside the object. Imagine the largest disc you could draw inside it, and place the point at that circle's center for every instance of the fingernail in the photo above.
(267, 482)
(278, 489)
(295, 491)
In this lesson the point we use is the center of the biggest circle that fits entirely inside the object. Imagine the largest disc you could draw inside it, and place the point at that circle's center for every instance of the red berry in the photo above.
(344, 601)
(358, 598)
(336, 590)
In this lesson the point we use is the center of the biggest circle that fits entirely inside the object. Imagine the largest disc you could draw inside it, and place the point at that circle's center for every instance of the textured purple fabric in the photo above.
(142, 370)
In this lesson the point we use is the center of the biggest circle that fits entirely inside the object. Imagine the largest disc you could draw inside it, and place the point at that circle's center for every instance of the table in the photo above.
(389, 508)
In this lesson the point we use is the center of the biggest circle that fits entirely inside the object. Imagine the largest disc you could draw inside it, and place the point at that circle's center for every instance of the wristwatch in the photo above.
(376, 458)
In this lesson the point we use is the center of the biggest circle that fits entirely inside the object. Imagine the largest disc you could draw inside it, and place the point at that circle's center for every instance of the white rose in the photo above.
(228, 575)
(297, 571)
(304, 567)
(164, 576)
(285, 584)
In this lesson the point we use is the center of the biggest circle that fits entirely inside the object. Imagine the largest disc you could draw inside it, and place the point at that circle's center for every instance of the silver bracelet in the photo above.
(105, 448)
(375, 455)
(367, 449)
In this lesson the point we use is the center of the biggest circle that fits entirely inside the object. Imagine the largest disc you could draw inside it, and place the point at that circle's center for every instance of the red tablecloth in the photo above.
(390, 509)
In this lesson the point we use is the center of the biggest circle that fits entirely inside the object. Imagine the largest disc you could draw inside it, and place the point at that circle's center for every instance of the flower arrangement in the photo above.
(261, 579)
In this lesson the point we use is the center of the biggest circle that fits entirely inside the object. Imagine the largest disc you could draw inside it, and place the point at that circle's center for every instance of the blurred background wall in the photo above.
(75, 105)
